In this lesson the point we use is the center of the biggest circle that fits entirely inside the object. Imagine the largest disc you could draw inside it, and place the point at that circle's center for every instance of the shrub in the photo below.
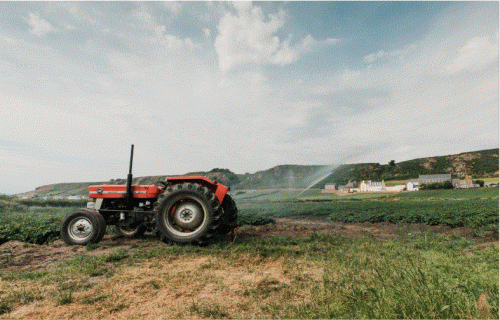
(437, 185)
(254, 219)
(30, 227)
(4, 307)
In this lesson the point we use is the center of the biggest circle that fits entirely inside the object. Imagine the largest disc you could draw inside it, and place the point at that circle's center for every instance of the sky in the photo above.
(240, 85)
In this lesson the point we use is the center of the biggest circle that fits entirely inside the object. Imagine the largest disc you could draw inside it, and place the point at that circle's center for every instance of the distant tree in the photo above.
(392, 163)
(447, 185)
(378, 171)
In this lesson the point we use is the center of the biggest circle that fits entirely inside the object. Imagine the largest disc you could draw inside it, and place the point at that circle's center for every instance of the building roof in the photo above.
(435, 177)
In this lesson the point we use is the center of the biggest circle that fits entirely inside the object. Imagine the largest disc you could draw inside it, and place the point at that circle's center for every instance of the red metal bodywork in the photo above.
(119, 191)
(152, 191)
(218, 189)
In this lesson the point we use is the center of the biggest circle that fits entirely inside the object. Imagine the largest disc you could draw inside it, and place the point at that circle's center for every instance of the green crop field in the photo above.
(474, 208)
(36, 221)
(33, 221)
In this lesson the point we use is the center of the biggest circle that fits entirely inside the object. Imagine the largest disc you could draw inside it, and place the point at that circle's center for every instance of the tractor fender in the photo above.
(218, 189)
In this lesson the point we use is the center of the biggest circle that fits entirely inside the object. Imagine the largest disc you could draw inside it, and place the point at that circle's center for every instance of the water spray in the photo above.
(329, 170)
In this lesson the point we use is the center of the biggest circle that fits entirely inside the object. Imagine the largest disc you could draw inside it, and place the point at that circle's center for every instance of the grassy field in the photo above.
(490, 180)
(390, 183)
(415, 275)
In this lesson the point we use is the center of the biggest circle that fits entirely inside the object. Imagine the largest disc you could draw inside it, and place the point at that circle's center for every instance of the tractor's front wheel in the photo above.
(83, 226)
(188, 213)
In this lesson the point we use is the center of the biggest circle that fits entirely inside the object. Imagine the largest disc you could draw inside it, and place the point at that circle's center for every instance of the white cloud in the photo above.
(255, 78)
(78, 12)
(127, 66)
(206, 32)
(374, 56)
(157, 84)
(250, 37)
(478, 53)
(173, 42)
(143, 16)
(371, 58)
(309, 43)
(39, 27)
(173, 7)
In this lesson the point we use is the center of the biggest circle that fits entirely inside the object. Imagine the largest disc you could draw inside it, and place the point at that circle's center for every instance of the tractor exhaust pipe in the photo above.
(129, 176)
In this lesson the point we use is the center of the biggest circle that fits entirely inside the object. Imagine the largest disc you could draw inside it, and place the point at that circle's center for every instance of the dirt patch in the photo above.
(15, 255)
(300, 226)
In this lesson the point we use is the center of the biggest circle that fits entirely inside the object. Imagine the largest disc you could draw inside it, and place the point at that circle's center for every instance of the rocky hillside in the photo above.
(479, 164)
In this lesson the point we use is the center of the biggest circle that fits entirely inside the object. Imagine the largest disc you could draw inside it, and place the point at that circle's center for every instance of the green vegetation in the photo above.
(34, 225)
(474, 208)
(478, 164)
(33, 221)
(64, 298)
(437, 185)
(471, 213)
(490, 180)
(38, 222)
(416, 275)
(254, 219)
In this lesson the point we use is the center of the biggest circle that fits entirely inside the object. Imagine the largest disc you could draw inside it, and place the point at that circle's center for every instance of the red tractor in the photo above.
(180, 209)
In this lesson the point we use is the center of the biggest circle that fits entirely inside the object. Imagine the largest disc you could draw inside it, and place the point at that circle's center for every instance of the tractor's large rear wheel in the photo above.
(83, 226)
(188, 213)
(229, 216)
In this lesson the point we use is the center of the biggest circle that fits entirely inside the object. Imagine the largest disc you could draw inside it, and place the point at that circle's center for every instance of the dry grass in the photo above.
(187, 287)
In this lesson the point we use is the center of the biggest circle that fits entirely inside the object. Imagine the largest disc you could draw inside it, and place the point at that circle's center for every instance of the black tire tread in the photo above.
(96, 218)
(207, 196)
(229, 217)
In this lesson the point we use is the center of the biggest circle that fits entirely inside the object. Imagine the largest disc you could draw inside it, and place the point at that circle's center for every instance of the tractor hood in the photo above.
(120, 191)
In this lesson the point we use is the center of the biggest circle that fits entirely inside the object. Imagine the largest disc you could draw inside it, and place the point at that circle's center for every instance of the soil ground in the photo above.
(199, 286)
(15, 255)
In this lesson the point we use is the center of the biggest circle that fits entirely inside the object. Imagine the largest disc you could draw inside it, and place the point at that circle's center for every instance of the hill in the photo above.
(478, 164)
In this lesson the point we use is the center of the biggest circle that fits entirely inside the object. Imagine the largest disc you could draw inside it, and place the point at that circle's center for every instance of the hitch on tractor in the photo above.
(189, 209)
